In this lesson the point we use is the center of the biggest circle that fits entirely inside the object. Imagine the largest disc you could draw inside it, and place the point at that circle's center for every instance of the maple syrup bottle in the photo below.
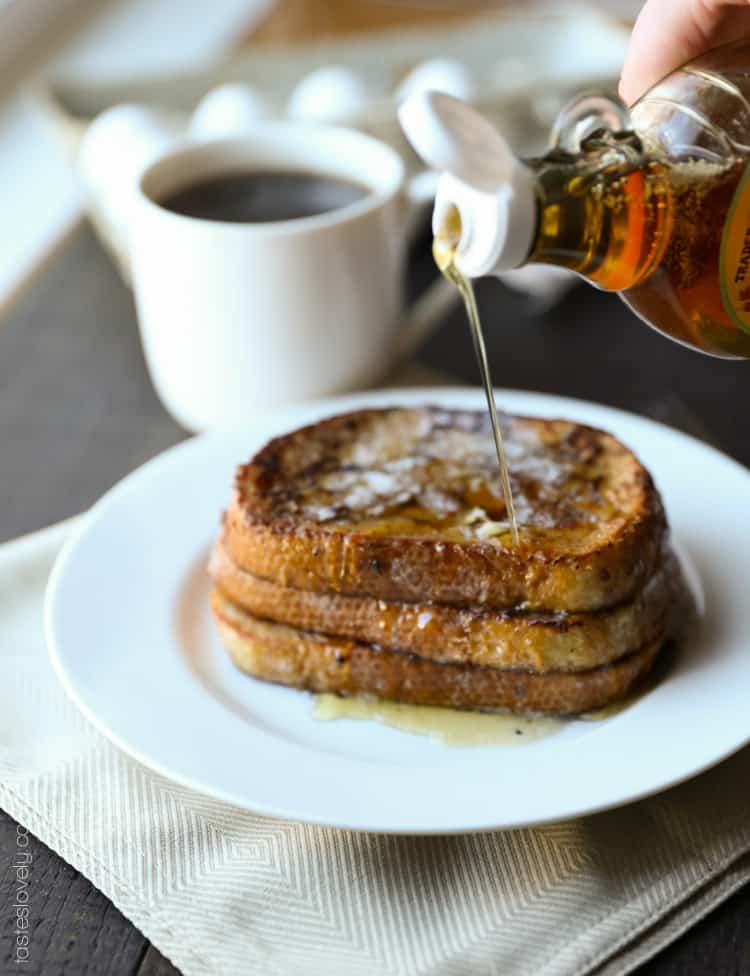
(653, 203)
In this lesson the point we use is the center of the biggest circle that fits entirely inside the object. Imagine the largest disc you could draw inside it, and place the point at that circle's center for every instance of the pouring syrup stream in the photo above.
(444, 250)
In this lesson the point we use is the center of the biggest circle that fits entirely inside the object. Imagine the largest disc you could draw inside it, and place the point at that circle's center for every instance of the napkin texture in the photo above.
(221, 891)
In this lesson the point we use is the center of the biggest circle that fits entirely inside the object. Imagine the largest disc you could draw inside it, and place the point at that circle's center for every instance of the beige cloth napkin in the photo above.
(221, 891)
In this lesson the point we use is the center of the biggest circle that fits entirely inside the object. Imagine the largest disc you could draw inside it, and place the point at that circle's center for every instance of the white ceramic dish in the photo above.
(132, 642)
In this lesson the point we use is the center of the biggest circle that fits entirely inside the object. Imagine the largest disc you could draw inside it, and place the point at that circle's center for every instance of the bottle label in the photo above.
(734, 257)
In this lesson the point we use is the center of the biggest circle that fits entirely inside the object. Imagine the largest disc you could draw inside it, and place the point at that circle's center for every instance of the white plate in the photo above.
(132, 642)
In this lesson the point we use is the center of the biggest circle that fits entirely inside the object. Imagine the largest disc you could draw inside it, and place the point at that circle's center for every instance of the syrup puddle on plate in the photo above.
(662, 666)
(454, 727)
(448, 726)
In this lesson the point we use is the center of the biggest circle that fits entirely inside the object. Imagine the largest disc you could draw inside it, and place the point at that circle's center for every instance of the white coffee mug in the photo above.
(239, 316)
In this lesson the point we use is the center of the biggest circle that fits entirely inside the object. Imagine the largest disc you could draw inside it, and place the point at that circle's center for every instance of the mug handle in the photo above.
(428, 311)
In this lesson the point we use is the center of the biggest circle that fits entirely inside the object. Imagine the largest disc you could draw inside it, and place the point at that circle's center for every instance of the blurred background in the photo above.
(74, 394)
(64, 61)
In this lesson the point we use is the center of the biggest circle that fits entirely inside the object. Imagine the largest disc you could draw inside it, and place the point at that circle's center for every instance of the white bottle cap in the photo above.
(491, 189)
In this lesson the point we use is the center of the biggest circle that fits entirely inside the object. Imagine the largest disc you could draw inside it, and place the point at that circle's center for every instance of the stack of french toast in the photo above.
(371, 554)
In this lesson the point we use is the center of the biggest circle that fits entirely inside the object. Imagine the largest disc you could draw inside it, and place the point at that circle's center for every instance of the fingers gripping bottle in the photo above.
(653, 203)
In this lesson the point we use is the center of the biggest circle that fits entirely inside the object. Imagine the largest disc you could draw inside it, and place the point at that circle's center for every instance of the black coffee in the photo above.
(262, 196)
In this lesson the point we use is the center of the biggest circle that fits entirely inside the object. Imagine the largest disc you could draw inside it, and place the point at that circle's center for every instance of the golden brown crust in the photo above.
(592, 520)
(501, 639)
(274, 652)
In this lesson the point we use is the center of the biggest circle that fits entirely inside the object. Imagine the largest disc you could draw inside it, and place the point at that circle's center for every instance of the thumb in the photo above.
(670, 32)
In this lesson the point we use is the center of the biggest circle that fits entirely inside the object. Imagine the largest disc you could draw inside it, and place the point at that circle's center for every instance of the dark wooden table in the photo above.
(77, 413)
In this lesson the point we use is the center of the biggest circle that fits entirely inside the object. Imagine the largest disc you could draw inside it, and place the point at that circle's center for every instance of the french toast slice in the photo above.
(406, 504)
(300, 659)
(498, 639)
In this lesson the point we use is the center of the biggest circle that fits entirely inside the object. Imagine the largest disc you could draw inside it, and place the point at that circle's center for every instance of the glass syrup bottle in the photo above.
(653, 203)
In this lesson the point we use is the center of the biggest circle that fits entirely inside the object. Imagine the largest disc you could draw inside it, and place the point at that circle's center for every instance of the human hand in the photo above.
(670, 32)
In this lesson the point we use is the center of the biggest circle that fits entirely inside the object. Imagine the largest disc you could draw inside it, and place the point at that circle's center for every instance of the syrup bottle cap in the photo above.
(490, 188)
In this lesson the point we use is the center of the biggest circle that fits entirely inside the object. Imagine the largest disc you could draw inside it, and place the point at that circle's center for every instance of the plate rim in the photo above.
(275, 417)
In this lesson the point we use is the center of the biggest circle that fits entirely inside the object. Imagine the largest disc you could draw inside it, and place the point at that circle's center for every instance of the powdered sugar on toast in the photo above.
(422, 470)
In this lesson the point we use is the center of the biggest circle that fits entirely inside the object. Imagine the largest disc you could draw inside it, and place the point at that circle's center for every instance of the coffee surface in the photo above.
(259, 197)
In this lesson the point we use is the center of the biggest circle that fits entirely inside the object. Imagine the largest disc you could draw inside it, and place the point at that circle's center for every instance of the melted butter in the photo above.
(411, 520)
(444, 252)
(448, 726)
